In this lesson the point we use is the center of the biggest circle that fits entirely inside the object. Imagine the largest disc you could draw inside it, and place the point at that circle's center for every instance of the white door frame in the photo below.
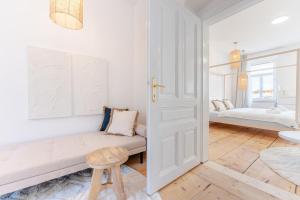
(205, 59)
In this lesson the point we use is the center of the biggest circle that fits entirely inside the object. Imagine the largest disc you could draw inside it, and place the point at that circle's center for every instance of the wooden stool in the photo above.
(108, 159)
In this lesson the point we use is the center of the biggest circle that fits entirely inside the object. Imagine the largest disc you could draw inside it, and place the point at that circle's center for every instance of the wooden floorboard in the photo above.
(245, 155)
(237, 188)
(186, 187)
(215, 193)
(227, 144)
(263, 173)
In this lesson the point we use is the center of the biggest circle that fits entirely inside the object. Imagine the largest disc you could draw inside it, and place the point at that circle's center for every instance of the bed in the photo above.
(256, 118)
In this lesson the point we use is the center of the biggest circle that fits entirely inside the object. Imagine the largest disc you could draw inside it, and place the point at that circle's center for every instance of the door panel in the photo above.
(190, 142)
(174, 118)
(190, 65)
(167, 54)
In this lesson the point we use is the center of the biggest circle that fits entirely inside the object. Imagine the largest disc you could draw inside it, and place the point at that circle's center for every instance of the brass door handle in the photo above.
(158, 86)
(155, 85)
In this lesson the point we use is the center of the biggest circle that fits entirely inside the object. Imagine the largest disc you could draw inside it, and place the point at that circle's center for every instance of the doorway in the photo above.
(248, 58)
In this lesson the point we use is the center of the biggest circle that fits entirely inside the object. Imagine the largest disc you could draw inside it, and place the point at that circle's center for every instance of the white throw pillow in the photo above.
(220, 106)
(141, 130)
(122, 123)
(229, 105)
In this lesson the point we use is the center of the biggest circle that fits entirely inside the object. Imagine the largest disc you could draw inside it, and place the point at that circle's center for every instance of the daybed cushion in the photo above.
(27, 160)
(141, 130)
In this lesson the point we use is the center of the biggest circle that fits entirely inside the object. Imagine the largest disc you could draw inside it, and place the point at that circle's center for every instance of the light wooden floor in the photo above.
(238, 149)
(212, 181)
(235, 148)
(134, 163)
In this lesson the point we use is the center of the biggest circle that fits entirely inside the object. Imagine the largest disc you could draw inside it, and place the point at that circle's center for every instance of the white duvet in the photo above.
(286, 118)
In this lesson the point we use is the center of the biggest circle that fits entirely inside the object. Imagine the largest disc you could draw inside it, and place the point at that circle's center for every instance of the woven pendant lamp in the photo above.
(243, 81)
(235, 57)
(67, 13)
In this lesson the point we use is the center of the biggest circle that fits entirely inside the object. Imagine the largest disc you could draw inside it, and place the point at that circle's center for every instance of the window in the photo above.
(262, 82)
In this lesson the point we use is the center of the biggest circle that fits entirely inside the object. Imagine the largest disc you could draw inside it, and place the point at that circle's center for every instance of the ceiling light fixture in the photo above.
(280, 20)
(235, 57)
(67, 13)
(243, 81)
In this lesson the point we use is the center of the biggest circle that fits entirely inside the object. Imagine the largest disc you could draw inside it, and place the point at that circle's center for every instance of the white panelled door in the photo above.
(174, 106)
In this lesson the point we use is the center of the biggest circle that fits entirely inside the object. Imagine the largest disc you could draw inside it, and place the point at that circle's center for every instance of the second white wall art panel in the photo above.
(90, 85)
(50, 90)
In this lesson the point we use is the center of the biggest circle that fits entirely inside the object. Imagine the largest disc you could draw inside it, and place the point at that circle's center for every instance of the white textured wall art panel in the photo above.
(49, 84)
(90, 85)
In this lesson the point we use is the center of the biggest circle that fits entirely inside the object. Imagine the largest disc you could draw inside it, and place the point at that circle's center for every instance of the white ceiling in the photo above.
(205, 8)
(196, 5)
(253, 30)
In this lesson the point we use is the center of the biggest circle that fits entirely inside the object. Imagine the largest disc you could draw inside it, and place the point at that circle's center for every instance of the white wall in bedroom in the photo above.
(285, 80)
(216, 87)
(108, 34)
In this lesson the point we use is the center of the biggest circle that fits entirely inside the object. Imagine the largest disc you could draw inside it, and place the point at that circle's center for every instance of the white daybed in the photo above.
(28, 164)
(256, 118)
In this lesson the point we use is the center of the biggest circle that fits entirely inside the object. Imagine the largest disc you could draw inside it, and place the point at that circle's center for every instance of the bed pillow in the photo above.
(211, 106)
(107, 116)
(122, 123)
(220, 106)
(229, 105)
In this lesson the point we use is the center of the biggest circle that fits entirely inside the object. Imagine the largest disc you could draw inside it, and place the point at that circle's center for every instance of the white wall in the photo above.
(108, 33)
(285, 78)
(216, 87)
(140, 59)
(221, 83)
(229, 87)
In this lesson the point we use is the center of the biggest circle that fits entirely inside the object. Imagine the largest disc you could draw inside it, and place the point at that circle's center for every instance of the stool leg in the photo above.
(109, 181)
(96, 184)
(118, 183)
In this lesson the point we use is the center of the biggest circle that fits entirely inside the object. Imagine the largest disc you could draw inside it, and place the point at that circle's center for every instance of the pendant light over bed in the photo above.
(67, 13)
(235, 57)
(243, 81)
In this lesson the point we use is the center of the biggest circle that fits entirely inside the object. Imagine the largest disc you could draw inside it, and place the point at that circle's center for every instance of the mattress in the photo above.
(213, 115)
(284, 118)
(22, 161)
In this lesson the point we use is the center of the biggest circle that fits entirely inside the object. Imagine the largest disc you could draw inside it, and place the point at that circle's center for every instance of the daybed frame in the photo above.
(9, 154)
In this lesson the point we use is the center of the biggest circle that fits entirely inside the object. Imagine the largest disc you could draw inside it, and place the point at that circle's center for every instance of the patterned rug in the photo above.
(285, 161)
(76, 187)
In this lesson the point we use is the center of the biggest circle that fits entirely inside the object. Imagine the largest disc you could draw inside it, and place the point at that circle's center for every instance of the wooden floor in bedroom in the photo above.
(238, 148)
